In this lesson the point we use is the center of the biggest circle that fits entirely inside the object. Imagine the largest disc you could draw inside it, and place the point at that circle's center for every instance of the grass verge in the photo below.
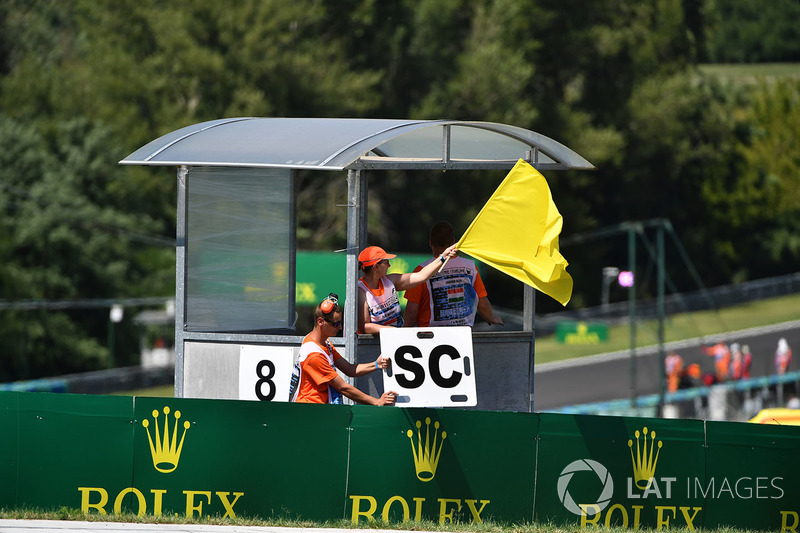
(678, 327)
(486, 527)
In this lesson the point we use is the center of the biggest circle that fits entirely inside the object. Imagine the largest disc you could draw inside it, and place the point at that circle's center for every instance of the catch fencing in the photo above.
(738, 400)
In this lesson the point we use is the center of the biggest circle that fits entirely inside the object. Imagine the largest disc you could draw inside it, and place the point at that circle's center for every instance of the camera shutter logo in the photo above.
(583, 465)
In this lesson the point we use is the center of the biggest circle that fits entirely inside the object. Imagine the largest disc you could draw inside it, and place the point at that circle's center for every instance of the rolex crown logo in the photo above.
(165, 452)
(644, 462)
(426, 453)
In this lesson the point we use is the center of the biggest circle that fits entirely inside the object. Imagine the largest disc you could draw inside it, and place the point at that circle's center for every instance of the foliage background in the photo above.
(623, 82)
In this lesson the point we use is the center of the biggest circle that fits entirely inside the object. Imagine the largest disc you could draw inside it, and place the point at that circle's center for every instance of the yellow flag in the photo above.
(517, 231)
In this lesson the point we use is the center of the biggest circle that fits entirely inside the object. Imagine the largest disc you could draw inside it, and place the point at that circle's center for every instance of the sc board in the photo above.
(431, 367)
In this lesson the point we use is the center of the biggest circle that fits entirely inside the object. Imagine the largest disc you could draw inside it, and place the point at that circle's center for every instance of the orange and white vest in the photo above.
(384, 307)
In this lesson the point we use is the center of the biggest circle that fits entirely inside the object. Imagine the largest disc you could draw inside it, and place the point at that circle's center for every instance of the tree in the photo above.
(65, 238)
(85, 83)
(758, 205)
(750, 31)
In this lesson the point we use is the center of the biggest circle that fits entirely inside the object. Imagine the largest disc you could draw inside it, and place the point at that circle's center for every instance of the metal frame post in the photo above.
(529, 324)
(356, 230)
(180, 276)
(660, 275)
(632, 310)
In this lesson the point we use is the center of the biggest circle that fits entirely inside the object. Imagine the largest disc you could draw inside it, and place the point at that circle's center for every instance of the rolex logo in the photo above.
(426, 452)
(165, 452)
(644, 462)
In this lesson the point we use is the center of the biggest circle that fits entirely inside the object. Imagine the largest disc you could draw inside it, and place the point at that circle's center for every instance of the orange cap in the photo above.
(372, 254)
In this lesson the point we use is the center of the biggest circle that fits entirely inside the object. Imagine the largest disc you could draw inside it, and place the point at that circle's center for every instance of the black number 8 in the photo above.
(265, 379)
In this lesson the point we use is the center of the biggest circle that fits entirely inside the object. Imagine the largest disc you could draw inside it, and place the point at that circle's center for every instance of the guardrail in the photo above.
(98, 382)
(769, 392)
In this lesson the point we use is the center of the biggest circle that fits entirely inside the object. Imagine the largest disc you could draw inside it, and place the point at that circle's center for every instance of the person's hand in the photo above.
(383, 362)
(495, 320)
(450, 252)
(388, 398)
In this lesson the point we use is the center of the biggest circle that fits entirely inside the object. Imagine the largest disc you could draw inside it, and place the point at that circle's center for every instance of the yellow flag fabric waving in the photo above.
(517, 231)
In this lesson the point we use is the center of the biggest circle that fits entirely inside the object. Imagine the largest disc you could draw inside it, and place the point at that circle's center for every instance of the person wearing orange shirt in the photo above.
(673, 364)
(783, 357)
(315, 379)
(722, 359)
(737, 366)
(378, 301)
(458, 291)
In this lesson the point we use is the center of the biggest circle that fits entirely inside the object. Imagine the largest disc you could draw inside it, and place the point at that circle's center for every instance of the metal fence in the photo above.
(733, 401)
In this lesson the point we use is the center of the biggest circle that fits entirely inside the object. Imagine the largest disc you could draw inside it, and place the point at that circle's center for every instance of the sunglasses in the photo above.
(335, 324)
(383, 262)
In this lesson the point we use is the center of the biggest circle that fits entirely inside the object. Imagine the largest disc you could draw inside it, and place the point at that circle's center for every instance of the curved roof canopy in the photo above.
(352, 143)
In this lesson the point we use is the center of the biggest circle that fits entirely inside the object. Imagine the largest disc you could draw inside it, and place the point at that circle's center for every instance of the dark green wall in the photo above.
(363, 463)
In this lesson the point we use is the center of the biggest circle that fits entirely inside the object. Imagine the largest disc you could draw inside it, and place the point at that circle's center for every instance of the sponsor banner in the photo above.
(441, 465)
(753, 476)
(198, 458)
(66, 440)
(569, 332)
(320, 273)
(612, 471)
(229, 458)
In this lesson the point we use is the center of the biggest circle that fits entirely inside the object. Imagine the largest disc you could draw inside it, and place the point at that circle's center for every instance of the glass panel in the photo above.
(422, 143)
(465, 143)
(475, 143)
(239, 249)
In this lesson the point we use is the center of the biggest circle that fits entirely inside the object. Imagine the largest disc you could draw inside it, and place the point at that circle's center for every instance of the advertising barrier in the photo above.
(198, 457)
(441, 465)
(614, 471)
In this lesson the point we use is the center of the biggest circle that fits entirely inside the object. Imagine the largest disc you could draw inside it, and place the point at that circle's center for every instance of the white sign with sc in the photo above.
(431, 367)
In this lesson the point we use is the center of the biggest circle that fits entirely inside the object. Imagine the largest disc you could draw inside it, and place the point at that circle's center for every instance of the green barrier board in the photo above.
(232, 458)
(753, 478)
(70, 442)
(441, 465)
(198, 458)
(9, 448)
(613, 471)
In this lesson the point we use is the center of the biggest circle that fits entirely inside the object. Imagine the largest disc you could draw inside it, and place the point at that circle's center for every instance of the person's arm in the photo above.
(387, 398)
(361, 369)
(406, 281)
(486, 312)
(410, 316)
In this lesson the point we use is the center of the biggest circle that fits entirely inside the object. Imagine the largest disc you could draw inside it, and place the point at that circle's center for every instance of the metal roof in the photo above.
(353, 143)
